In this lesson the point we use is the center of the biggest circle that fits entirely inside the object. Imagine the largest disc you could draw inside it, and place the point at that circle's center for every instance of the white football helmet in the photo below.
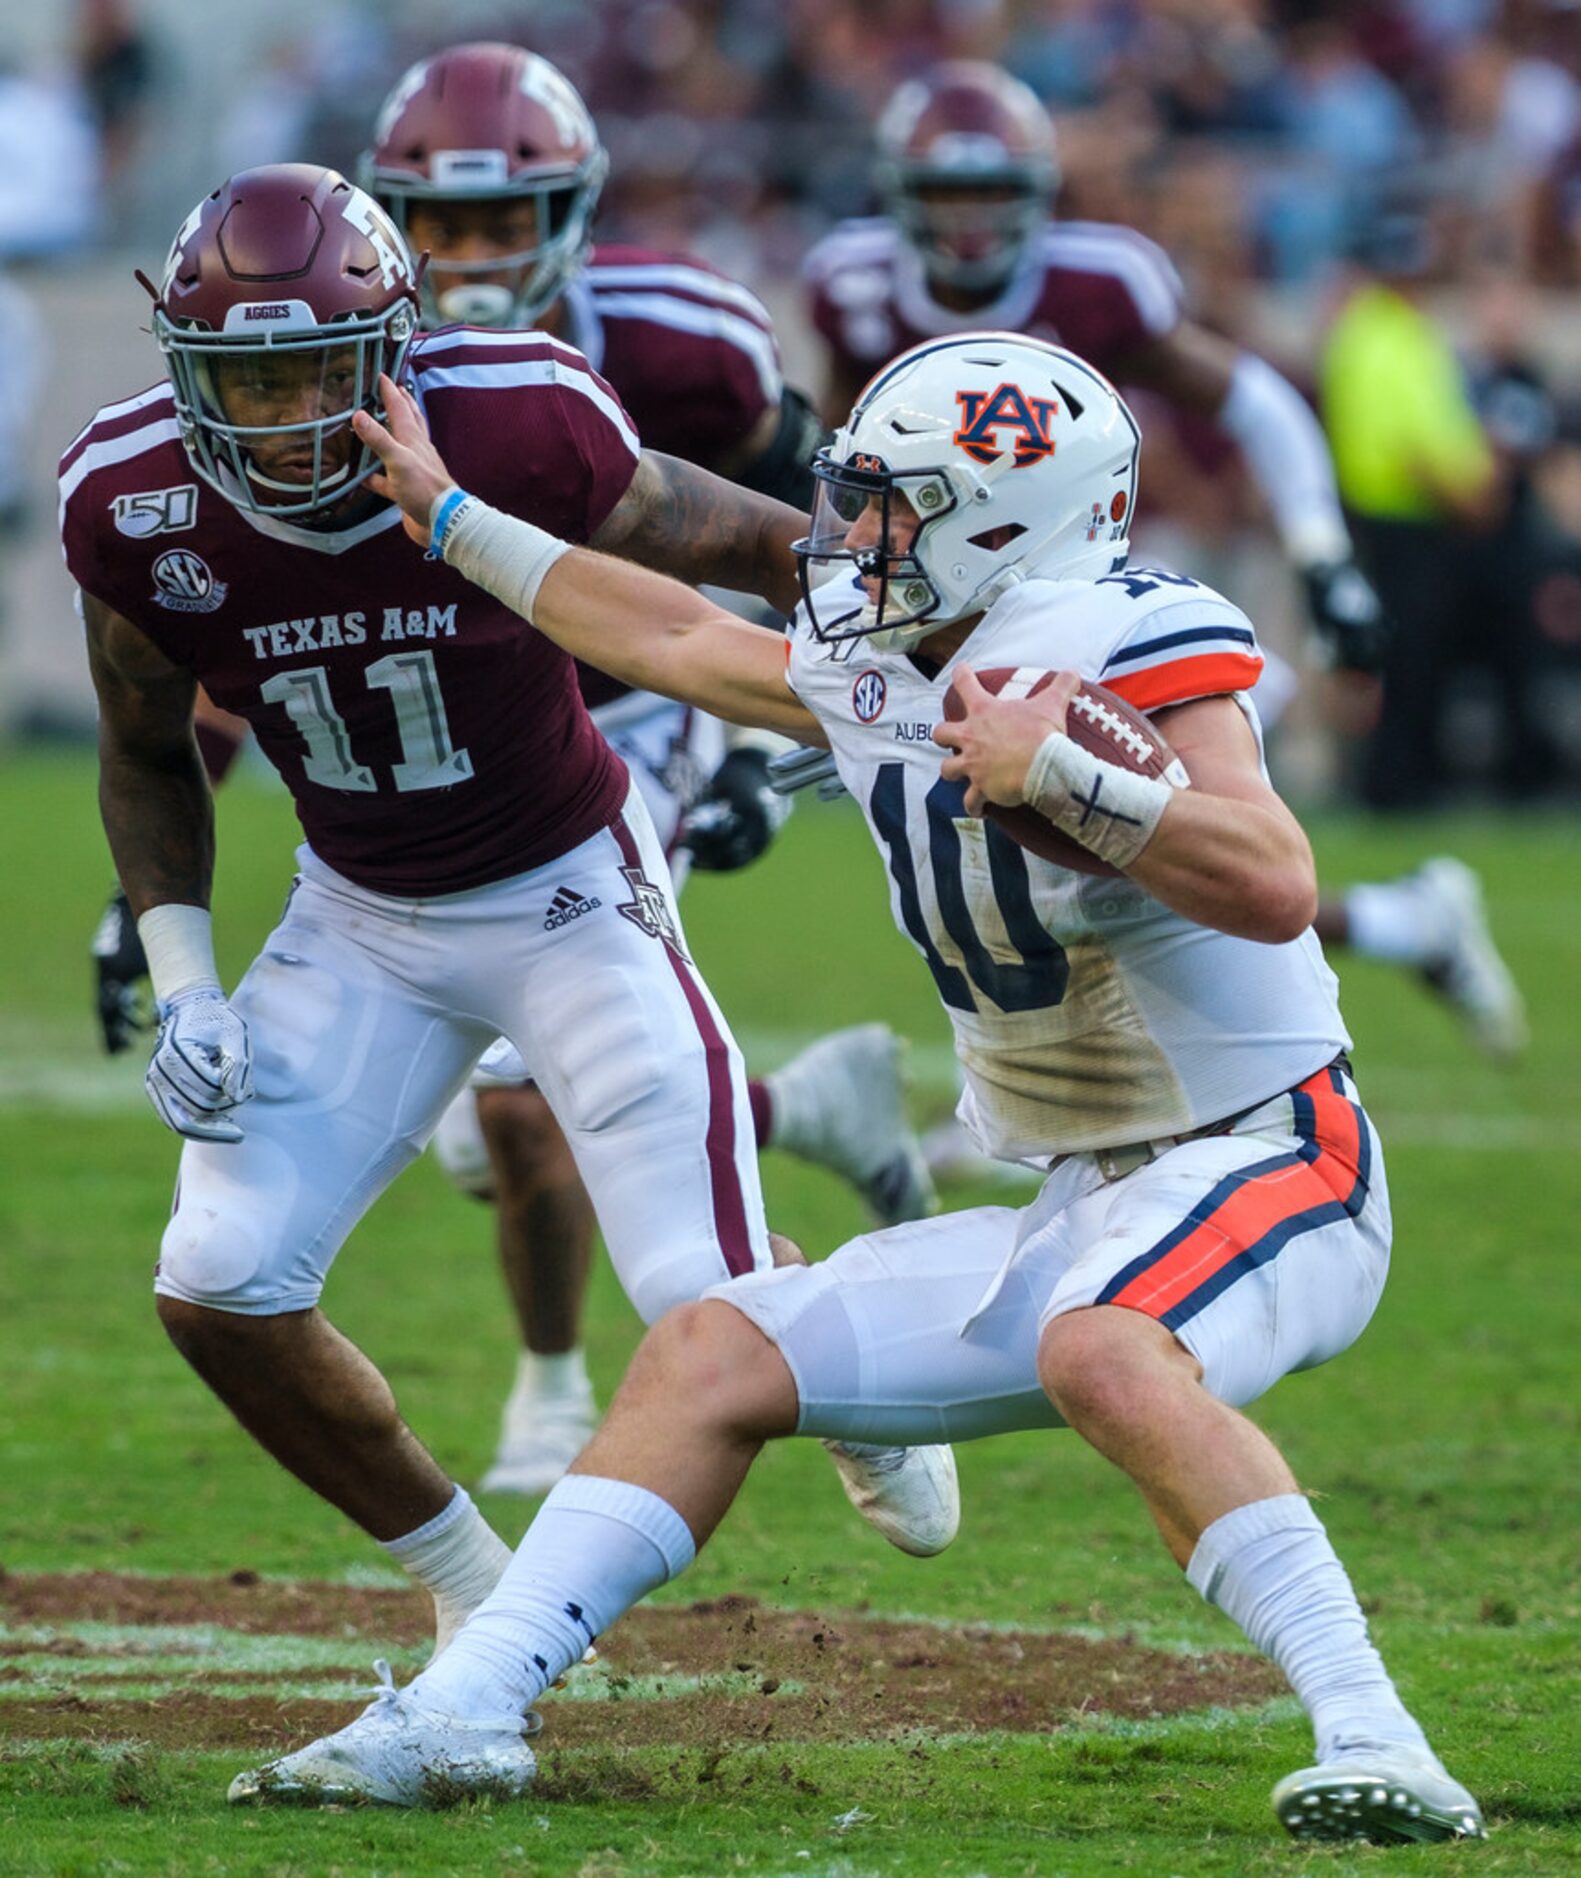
(1018, 460)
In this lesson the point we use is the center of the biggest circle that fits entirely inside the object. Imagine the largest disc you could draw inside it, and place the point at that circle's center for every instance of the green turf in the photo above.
(1444, 1445)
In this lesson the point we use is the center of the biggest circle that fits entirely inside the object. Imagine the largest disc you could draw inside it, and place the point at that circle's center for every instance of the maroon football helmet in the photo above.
(286, 293)
(966, 166)
(483, 123)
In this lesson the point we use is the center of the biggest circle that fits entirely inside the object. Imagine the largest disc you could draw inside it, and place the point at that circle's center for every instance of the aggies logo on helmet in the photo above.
(985, 415)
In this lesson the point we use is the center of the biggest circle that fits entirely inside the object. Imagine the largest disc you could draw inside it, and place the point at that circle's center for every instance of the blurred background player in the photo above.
(967, 171)
(487, 159)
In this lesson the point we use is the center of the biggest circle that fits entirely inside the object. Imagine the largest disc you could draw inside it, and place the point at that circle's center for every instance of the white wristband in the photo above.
(1109, 810)
(178, 941)
(506, 557)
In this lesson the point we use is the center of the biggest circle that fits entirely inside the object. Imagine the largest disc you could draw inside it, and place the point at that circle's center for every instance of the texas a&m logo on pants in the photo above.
(984, 415)
(649, 910)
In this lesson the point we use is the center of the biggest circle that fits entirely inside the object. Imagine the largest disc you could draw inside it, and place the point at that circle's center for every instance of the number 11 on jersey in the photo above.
(428, 759)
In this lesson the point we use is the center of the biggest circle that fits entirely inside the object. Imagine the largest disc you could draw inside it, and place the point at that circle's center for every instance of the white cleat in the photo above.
(1389, 1795)
(839, 1104)
(540, 1436)
(1469, 974)
(397, 1753)
(911, 1495)
(533, 1463)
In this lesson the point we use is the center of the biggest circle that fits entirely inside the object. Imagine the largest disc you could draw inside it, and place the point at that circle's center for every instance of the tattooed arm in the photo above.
(153, 795)
(683, 521)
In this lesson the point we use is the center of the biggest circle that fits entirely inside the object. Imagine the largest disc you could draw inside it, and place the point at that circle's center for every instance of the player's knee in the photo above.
(204, 1334)
(710, 1358)
(526, 1146)
(225, 1259)
(1102, 1366)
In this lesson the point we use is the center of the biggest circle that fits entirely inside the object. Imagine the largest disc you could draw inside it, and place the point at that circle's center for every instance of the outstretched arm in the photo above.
(649, 631)
(684, 521)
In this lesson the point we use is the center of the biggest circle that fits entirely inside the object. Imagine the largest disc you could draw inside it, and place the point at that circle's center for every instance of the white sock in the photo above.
(596, 1547)
(458, 1557)
(1270, 1567)
(1393, 921)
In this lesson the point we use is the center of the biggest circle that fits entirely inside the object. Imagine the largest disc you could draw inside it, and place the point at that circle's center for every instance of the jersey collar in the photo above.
(1009, 313)
(323, 540)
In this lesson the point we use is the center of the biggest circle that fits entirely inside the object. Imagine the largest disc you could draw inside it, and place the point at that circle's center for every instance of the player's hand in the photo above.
(414, 472)
(126, 1004)
(736, 817)
(201, 1069)
(993, 745)
(1346, 609)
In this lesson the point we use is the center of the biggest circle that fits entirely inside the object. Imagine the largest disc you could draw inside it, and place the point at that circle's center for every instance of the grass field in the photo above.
(1043, 1699)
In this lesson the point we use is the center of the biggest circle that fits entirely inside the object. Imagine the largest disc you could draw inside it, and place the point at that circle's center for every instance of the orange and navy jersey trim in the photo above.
(1249, 1217)
(1198, 662)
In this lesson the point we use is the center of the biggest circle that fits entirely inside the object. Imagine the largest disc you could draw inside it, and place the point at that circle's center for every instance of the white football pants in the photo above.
(1263, 1249)
(366, 1015)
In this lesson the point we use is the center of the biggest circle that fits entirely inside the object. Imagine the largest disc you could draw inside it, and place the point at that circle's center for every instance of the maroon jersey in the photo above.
(1099, 290)
(432, 740)
(691, 353)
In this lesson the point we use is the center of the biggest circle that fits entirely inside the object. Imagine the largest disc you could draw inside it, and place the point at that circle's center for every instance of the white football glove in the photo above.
(201, 1068)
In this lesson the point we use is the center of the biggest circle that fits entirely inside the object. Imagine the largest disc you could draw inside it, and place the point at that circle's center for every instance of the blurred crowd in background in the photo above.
(1251, 134)
(1282, 151)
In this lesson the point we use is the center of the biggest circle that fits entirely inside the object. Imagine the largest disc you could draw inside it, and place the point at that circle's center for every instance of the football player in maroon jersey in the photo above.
(454, 798)
(967, 170)
(488, 160)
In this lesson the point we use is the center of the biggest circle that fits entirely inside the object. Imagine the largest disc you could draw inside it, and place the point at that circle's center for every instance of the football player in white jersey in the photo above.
(1163, 1042)
(966, 172)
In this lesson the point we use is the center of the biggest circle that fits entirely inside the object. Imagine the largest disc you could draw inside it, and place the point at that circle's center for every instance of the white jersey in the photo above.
(1086, 1013)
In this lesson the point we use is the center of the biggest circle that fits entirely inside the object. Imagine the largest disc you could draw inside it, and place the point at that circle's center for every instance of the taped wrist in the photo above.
(505, 556)
(178, 941)
(1109, 810)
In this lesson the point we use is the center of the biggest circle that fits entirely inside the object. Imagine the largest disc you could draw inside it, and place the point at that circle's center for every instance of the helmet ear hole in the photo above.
(991, 540)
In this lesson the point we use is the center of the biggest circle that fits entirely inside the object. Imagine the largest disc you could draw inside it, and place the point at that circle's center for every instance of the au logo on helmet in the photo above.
(985, 414)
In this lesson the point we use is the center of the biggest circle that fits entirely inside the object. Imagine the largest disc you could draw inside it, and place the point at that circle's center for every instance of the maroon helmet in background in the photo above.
(967, 167)
(287, 283)
(492, 122)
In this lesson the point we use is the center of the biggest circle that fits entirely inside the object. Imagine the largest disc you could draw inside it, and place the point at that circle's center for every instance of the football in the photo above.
(1100, 722)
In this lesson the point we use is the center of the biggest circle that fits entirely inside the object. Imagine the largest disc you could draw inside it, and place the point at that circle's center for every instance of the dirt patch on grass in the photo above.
(795, 1675)
(243, 1601)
